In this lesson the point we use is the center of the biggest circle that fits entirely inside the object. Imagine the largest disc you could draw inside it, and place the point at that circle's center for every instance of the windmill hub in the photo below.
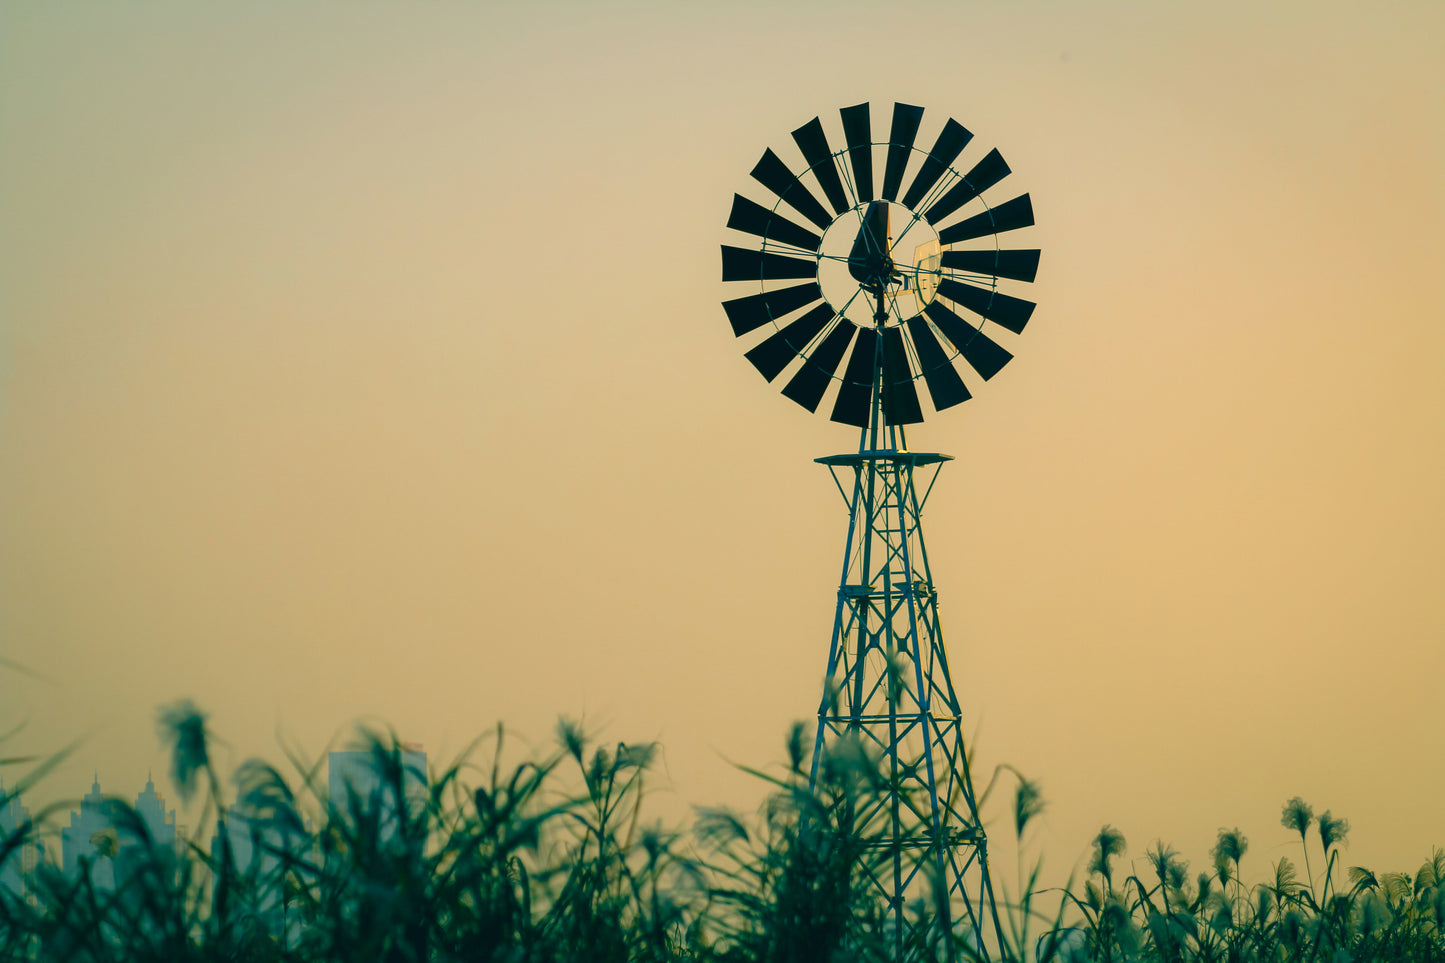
(884, 252)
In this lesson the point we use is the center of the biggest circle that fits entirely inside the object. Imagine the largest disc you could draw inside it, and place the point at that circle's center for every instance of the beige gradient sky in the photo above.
(366, 359)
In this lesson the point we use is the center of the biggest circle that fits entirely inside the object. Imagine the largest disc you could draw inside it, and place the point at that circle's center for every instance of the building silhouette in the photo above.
(82, 840)
(98, 838)
(18, 865)
(364, 782)
(160, 823)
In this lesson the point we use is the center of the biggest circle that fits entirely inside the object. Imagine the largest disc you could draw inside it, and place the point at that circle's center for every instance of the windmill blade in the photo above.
(945, 151)
(859, 135)
(945, 387)
(855, 394)
(811, 380)
(900, 398)
(753, 218)
(1011, 313)
(900, 145)
(755, 310)
(982, 354)
(773, 174)
(1015, 265)
(744, 264)
(814, 144)
(984, 175)
(772, 355)
(1008, 216)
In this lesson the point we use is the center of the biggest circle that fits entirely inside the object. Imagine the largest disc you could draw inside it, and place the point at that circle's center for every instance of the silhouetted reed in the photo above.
(553, 859)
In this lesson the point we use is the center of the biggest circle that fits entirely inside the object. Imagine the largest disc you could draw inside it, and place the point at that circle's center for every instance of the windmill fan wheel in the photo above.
(881, 285)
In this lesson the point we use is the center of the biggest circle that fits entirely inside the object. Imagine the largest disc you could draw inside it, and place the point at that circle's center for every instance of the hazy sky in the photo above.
(365, 359)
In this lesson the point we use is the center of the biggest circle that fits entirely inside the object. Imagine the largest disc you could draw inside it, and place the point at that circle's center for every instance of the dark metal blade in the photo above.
(945, 151)
(1008, 216)
(744, 264)
(900, 145)
(1018, 265)
(945, 387)
(982, 354)
(984, 175)
(755, 219)
(860, 148)
(755, 310)
(772, 355)
(811, 381)
(814, 144)
(773, 174)
(855, 394)
(900, 397)
(1011, 313)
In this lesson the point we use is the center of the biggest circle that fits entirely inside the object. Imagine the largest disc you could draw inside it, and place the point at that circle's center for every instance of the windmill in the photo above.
(859, 301)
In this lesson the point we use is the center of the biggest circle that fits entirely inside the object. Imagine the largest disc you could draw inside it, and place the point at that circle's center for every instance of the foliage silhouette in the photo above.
(551, 859)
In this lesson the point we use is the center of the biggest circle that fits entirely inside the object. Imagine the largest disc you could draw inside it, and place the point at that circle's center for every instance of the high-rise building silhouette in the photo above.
(21, 861)
(95, 837)
(78, 841)
(361, 779)
(160, 823)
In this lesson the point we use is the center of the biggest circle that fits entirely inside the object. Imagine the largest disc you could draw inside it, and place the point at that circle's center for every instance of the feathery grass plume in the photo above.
(719, 826)
(1108, 843)
(1019, 914)
(569, 734)
(1432, 871)
(1332, 831)
(1203, 891)
(797, 747)
(1332, 834)
(1362, 879)
(1298, 815)
(1397, 887)
(1286, 880)
(1028, 802)
(183, 732)
(1229, 848)
(1161, 858)
(1264, 904)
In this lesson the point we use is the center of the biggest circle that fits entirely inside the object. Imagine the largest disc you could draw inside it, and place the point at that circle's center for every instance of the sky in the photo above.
(364, 362)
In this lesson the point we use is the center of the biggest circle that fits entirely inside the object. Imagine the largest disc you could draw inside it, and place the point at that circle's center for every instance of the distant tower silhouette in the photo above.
(160, 822)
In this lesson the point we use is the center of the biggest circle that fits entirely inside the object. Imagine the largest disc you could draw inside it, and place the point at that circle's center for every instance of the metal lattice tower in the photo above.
(888, 685)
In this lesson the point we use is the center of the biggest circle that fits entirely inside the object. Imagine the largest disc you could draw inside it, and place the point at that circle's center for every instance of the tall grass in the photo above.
(554, 859)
